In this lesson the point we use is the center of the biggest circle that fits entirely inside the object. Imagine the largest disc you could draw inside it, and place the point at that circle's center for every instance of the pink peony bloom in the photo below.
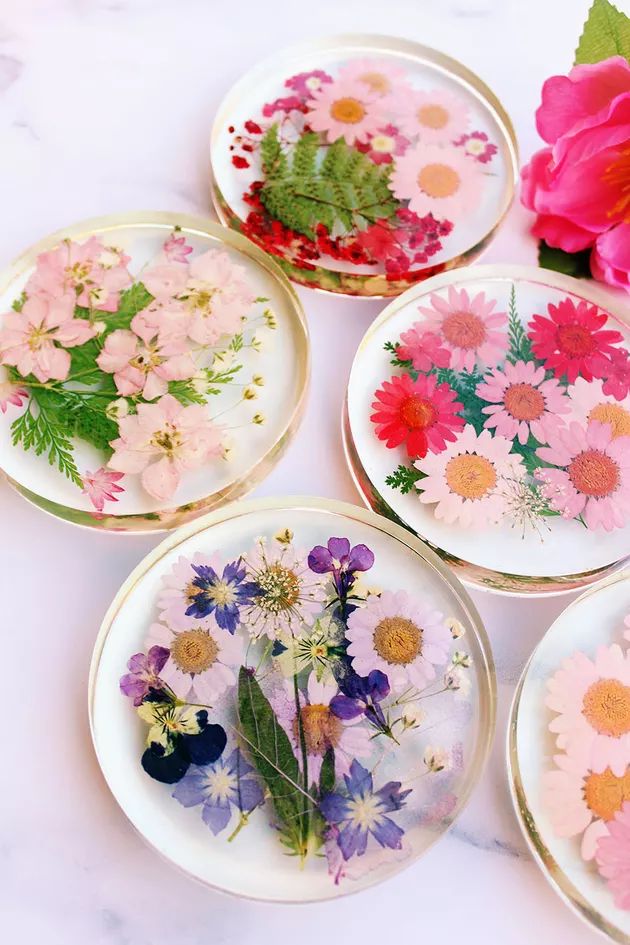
(29, 339)
(613, 857)
(176, 249)
(346, 109)
(423, 348)
(593, 478)
(576, 186)
(217, 297)
(437, 179)
(521, 400)
(11, 393)
(468, 328)
(101, 487)
(94, 272)
(437, 116)
(145, 364)
(162, 441)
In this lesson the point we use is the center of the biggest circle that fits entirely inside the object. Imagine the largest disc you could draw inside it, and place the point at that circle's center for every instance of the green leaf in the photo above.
(92, 423)
(520, 345)
(606, 33)
(397, 362)
(274, 162)
(185, 393)
(18, 304)
(571, 264)
(327, 773)
(132, 301)
(46, 432)
(464, 383)
(404, 478)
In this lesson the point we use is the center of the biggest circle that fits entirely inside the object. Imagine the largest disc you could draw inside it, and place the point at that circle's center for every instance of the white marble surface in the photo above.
(106, 105)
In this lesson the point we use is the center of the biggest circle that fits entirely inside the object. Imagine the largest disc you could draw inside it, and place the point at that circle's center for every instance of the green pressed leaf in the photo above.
(43, 428)
(571, 264)
(274, 162)
(520, 345)
(92, 423)
(327, 773)
(465, 383)
(404, 478)
(606, 33)
(398, 362)
(132, 301)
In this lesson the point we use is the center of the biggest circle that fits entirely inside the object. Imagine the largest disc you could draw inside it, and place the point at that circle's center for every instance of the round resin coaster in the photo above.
(152, 367)
(489, 411)
(292, 699)
(569, 755)
(363, 163)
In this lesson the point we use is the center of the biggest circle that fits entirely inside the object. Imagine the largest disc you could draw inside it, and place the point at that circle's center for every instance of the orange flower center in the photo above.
(439, 180)
(349, 111)
(464, 330)
(470, 476)
(524, 402)
(605, 793)
(417, 413)
(376, 81)
(606, 706)
(397, 640)
(616, 416)
(618, 176)
(574, 340)
(322, 730)
(194, 651)
(594, 473)
(433, 116)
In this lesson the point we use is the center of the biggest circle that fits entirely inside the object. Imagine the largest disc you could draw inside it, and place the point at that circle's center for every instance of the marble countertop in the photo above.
(106, 105)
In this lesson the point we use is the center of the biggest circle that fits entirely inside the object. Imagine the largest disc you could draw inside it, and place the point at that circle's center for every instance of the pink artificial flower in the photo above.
(29, 339)
(521, 400)
(162, 441)
(477, 146)
(423, 348)
(176, 249)
(346, 109)
(101, 487)
(437, 179)
(437, 116)
(593, 474)
(143, 362)
(383, 146)
(613, 856)
(468, 327)
(610, 259)
(217, 296)
(11, 393)
(94, 272)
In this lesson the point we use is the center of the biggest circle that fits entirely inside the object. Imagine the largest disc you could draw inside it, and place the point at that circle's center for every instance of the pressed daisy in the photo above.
(178, 592)
(477, 145)
(201, 661)
(346, 109)
(422, 414)
(379, 76)
(613, 857)
(592, 700)
(467, 480)
(438, 180)
(593, 478)
(425, 349)
(438, 116)
(386, 144)
(399, 635)
(286, 594)
(468, 327)
(590, 402)
(321, 727)
(522, 401)
(221, 592)
(573, 340)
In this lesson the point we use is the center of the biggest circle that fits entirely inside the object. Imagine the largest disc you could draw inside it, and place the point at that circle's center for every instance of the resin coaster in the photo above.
(569, 755)
(489, 411)
(292, 699)
(152, 367)
(363, 163)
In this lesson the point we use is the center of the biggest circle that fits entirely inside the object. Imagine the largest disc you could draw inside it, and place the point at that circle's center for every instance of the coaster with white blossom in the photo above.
(152, 367)
(489, 411)
(364, 164)
(569, 755)
(291, 699)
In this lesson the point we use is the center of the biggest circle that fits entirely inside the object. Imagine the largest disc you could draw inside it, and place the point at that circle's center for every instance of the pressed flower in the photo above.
(362, 812)
(346, 109)
(161, 441)
(522, 401)
(102, 486)
(34, 340)
(421, 414)
(93, 273)
(573, 340)
(178, 592)
(342, 561)
(436, 759)
(401, 636)
(379, 76)
(592, 477)
(10, 392)
(317, 648)
(425, 349)
(201, 661)
(613, 857)
(592, 700)
(144, 674)
(468, 327)
(617, 374)
(438, 116)
(437, 179)
(354, 869)
(145, 364)
(305, 84)
(477, 145)
(589, 401)
(384, 145)
(221, 594)
(178, 737)
(466, 481)
(176, 249)
(217, 295)
(220, 787)
(361, 696)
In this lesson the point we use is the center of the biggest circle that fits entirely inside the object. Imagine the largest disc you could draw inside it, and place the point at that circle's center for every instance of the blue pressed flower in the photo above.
(360, 695)
(363, 811)
(222, 594)
(220, 787)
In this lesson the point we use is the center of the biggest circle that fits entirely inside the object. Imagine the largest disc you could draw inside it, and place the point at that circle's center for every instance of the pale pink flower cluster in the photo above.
(93, 272)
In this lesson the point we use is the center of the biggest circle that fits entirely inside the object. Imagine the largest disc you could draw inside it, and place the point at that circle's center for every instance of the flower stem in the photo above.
(242, 823)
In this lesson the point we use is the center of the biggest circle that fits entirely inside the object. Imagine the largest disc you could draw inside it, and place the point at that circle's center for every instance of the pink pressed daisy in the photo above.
(468, 327)
(178, 592)
(523, 401)
(590, 402)
(438, 116)
(613, 857)
(349, 738)
(467, 481)
(591, 699)
(422, 414)
(385, 145)
(581, 801)
(594, 478)
(11, 393)
(202, 661)
(423, 348)
(346, 109)
(437, 180)
(379, 77)
(400, 635)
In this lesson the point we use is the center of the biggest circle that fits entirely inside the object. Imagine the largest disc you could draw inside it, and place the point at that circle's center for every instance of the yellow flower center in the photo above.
(397, 640)
(36, 338)
(384, 144)
(146, 359)
(470, 476)
(433, 116)
(606, 706)
(438, 180)
(524, 402)
(376, 81)
(349, 111)
(605, 793)
(364, 811)
(616, 416)
(594, 473)
(194, 651)
(222, 593)
(322, 730)
(280, 589)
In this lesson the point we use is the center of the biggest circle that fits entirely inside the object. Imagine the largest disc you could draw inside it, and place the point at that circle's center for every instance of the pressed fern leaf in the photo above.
(520, 345)
(45, 431)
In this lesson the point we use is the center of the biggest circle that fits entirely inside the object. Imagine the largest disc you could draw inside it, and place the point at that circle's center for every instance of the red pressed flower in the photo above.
(239, 161)
(573, 340)
(422, 414)
(379, 240)
(617, 374)
(252, 127)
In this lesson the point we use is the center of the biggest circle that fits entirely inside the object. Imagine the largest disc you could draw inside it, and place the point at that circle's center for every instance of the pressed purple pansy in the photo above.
(222, 594)
(220, 787)
(143, 676)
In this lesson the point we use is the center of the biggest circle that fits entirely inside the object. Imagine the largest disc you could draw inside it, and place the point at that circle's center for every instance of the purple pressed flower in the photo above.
(144, 670)
(342, 561)
(220, 787)
(222, 594)
(360, 696)
(362, 811)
